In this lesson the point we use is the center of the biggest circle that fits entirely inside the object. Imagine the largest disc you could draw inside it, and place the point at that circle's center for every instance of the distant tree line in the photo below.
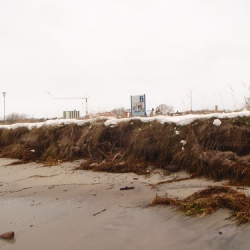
(15, 117)
(164, 109)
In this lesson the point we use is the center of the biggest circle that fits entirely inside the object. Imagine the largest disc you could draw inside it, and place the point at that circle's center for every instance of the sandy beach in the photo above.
(59, 207)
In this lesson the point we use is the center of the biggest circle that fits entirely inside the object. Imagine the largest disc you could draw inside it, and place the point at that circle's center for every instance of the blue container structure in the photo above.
(138, 105)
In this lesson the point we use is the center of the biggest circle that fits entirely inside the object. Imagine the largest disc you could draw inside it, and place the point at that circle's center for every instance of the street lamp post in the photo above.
(191, 99)
(4, 93)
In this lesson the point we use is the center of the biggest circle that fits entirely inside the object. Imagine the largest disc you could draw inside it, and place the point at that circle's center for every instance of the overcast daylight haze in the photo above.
(108, 50)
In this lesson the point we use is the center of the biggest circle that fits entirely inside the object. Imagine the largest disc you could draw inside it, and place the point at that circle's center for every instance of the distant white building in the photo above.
(71, 114)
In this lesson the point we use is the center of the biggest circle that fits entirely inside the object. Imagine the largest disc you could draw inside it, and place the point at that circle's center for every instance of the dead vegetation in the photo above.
(113, 167)
(209, 201)
(176, 179)
(200, 148)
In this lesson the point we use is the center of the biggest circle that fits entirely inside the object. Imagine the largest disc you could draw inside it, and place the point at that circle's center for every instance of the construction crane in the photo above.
(82, 98)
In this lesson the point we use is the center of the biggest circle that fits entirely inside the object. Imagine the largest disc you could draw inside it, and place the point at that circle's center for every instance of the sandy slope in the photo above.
(60, 208)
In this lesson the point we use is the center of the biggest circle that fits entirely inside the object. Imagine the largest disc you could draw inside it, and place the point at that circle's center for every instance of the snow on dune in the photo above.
(182, 119)
(178, 120)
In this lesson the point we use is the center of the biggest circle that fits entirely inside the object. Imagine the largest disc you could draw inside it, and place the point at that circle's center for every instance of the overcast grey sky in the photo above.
(109, 50)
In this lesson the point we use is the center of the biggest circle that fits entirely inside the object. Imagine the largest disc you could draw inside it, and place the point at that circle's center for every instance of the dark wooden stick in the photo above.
(100, 212)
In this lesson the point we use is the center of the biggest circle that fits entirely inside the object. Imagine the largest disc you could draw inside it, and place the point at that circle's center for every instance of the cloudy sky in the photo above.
(108, 50)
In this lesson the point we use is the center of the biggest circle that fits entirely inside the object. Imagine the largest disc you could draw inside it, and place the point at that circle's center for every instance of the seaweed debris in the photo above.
(209, 200)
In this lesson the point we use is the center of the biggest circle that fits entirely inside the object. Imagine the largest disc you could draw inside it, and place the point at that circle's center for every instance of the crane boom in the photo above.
(72, 98)
(83, 98)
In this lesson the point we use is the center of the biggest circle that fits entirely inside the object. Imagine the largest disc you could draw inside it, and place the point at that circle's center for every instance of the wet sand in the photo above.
(61, 208)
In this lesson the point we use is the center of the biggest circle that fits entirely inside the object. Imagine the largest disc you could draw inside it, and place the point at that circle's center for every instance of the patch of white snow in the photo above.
(217, 122)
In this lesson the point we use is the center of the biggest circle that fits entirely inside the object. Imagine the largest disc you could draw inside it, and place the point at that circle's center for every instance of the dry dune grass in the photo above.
(8, 137)
(200, 148)
(155, 143)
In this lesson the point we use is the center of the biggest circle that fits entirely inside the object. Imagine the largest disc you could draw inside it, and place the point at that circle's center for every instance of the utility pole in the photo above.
(4, 93)
(191, 99)
(86, 98)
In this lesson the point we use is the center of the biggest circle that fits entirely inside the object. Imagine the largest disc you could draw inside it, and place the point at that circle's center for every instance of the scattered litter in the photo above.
(36, 204)
(93, 194)
(127, 188)
(99, 212)
(135, 178)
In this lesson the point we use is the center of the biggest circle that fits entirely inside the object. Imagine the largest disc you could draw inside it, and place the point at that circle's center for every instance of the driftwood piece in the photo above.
(8, 235)
(127, 188)
(99, 212)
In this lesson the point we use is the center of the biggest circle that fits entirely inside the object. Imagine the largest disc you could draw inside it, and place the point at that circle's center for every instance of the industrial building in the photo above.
(71, 114)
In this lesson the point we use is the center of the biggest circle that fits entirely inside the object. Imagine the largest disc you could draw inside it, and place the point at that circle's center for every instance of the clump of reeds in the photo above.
(154, 143)
(209, 200)
(10, 136)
